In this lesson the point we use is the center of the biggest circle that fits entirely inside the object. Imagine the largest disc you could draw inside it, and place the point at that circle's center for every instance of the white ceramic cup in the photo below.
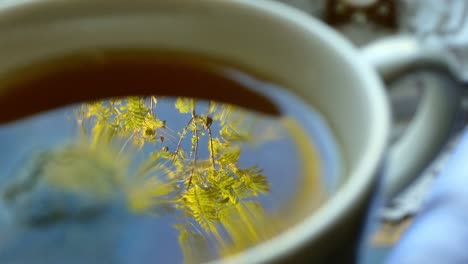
(315, 62)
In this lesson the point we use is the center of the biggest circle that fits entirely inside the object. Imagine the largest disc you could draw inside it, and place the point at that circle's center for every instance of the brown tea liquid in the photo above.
(87, 76)
(218, 159)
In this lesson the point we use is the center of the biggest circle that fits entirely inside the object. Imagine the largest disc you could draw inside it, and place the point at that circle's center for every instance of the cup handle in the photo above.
(430, 127)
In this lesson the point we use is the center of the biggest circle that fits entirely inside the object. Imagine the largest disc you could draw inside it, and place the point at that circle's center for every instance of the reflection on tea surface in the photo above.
(208, 180)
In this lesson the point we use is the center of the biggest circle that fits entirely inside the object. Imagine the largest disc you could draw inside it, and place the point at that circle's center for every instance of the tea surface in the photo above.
(172, 159)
